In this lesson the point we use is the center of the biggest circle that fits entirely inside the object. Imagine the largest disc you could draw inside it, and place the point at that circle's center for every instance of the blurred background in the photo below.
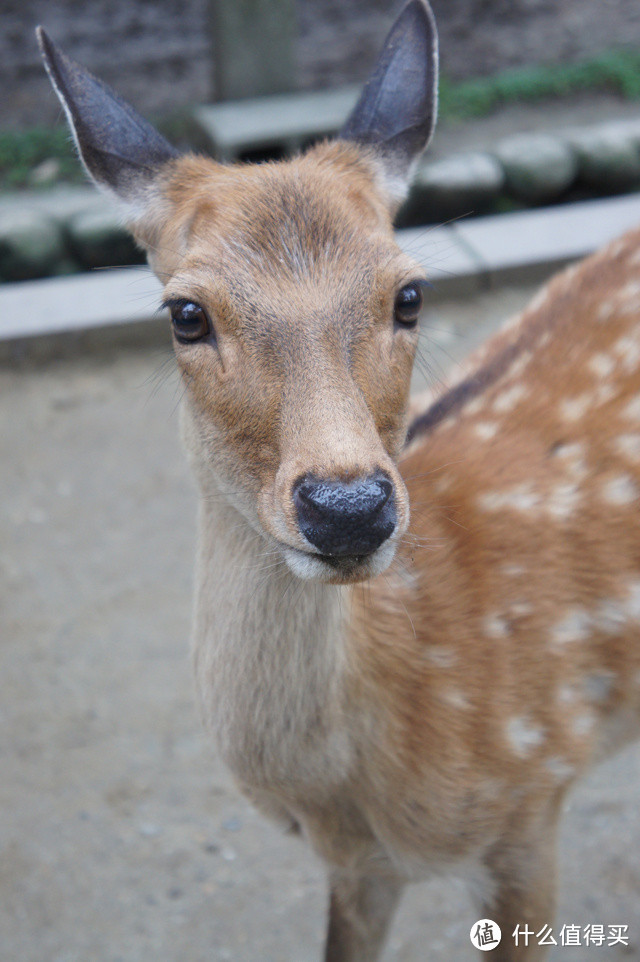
(122, 838)
(168, 54)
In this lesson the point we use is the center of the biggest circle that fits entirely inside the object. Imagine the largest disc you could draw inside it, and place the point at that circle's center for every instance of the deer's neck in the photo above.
(269, 659)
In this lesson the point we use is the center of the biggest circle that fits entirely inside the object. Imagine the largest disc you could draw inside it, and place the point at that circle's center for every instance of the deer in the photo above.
(411, 637)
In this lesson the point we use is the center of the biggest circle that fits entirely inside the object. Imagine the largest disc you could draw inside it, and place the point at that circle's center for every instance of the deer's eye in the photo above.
(189, 321)
(407, 305)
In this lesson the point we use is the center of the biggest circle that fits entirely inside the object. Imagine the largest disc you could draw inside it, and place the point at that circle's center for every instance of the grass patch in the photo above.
(615, 71)
(23, 150)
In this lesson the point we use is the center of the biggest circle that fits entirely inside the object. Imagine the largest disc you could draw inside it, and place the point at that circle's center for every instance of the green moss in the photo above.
(617, 71)
(21, 151)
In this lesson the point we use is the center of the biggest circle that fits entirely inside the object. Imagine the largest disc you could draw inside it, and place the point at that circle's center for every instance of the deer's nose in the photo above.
(346, 517)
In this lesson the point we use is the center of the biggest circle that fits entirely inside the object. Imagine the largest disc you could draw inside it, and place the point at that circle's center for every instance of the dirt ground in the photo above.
(122, 838)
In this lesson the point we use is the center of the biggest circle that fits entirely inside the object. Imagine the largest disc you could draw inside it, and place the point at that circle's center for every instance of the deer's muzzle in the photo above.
(346, 518)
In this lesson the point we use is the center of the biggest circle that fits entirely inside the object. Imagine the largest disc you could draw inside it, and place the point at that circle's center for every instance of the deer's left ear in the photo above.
(396, 112)
(120, 150)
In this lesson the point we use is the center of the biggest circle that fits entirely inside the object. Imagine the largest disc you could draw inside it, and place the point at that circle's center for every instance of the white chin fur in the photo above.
(310, 567)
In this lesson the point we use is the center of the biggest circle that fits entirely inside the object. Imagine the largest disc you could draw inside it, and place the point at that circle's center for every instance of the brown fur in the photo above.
(434, 717)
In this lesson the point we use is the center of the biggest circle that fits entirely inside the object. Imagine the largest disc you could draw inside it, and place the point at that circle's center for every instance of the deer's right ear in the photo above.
(397, 110)
(120, 150)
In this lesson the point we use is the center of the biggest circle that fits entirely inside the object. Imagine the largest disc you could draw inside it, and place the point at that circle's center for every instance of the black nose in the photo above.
(346, 517)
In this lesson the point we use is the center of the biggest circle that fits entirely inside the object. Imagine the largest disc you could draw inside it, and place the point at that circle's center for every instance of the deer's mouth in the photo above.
(339, 569)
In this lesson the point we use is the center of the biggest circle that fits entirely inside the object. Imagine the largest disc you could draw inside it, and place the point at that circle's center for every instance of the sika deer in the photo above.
(435, 719)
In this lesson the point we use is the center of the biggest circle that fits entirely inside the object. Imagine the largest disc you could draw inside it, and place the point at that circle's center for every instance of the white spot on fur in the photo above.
(605, 311)
(573, 627)
(620, 490)
(495, 627)
(520, 498)
(567, 695)
(455, 698)
(541, 298)
(513, 570)
(442, 484)
(629, 295)
(615, 248)
(561, 770)
(604, 393)
(519, 365)
(485, 430)
(475, 406)
(601, 364)
(563, 500)
(524, 734)
(583, 724)
(632, 603)
(509, 398)
(404, 577)
(446, 424)
(575, 408)
(568, 275)
(521, 609)
(570, 452)
(628, 445)
(632, 409)
(628, 350)
(573, 457)
(441, 657)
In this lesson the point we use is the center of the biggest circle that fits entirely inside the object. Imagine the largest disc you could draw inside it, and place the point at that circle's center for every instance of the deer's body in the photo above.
(414, 689)
(421, 720)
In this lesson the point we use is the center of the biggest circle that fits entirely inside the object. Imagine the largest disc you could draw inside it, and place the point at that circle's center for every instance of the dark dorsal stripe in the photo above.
(471, 387)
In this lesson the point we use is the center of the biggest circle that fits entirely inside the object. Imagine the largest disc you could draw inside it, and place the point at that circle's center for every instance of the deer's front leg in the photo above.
(523, 870)
(360, 911)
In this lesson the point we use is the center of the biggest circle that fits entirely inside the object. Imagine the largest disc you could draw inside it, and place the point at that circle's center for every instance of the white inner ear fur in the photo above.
(393, 177)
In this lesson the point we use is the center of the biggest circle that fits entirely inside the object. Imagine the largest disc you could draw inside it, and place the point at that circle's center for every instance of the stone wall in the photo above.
(157, 52)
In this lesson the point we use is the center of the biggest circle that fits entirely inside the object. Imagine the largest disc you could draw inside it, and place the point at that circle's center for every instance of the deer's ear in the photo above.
(119, 149)
(396, 112)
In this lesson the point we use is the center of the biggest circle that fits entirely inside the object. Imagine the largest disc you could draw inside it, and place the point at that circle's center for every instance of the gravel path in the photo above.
(122, 837)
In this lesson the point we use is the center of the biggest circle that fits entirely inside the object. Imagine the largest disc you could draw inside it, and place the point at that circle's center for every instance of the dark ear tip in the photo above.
(422, 9)
(44, 41)
(47, 47)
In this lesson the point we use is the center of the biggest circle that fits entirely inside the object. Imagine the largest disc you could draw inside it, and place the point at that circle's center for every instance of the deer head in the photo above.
(293, 309)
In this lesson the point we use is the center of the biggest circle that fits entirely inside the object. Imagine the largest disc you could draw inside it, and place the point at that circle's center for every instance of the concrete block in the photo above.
(624, 128)
(525, 246)
(538, 168)
(73, 304)
(286, 122)
(96, 309)
(58, 203)
(97, 238)
(608, 159)
(31, 244)
(453, 269)
(458, 185)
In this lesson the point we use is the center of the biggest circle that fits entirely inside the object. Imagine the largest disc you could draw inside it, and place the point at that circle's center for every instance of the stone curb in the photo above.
(68, 229)
(522, 170)
(54, 317)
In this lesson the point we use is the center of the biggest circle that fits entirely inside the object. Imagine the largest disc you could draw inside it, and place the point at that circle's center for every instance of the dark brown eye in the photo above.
(190, 322)
(408, 304)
